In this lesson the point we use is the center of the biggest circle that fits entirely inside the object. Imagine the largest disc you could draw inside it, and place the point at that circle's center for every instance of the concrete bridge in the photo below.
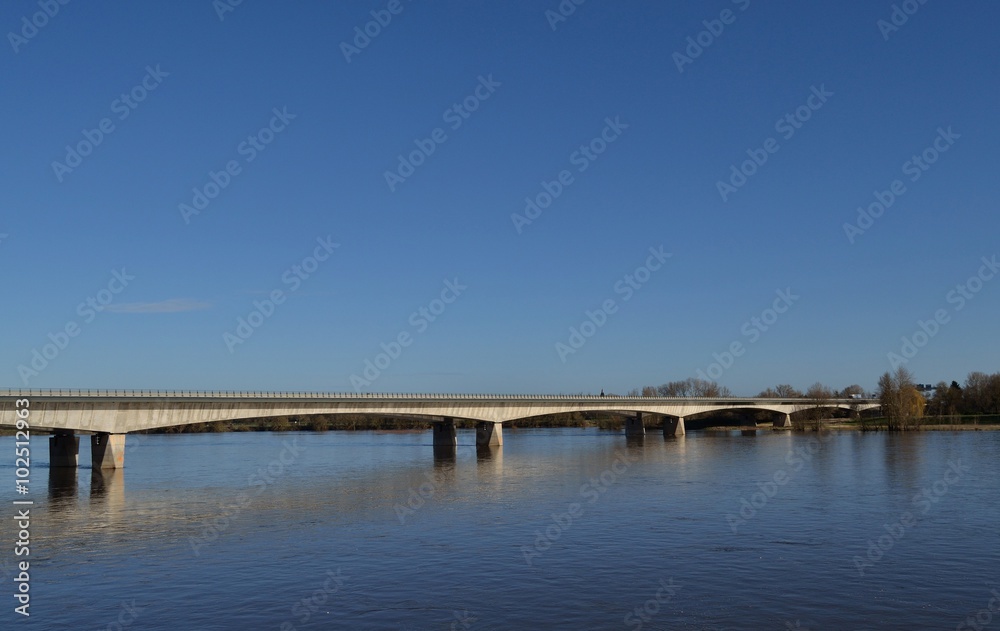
(108, 415)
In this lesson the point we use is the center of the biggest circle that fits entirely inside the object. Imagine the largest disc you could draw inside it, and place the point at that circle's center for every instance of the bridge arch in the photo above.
(109, 415)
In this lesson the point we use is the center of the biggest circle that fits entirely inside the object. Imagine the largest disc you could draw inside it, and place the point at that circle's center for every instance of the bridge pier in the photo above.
(634, 426)
(489, 433)
(64, 450)
(107, 451)
(673, 427)
(784, 421)
(445, 434)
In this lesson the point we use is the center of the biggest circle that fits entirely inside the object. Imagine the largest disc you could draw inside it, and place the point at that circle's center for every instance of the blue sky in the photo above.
(546, 88)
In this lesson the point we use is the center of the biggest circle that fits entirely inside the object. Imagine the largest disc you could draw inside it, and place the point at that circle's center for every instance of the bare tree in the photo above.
(852, 390)
(902, 404)
(675, 389)
(703, 388)
(981, 394)
(689, 388)
(781, 391)
(786, 391)
(818, 395)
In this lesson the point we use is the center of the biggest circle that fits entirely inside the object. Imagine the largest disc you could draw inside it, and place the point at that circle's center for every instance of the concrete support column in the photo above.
(64, 450)
(785, 420)
(673, 427)
(444, 433)
(489, 433)
(634, 426)
(107, 451)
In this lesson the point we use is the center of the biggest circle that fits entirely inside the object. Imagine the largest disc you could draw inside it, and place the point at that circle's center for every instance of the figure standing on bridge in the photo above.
(602, 392)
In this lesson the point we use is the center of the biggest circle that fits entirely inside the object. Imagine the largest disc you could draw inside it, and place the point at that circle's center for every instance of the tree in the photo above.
(851, 390)
(993, 394)
(649, 391)
(888, 397)
(902, 404)
(981, 394)
(703, 388)
(818, 395)
(786, 391)
(675, 389)
(946, 400)
(781, 391)
(914, 404)
(819, 392)
(689, 388)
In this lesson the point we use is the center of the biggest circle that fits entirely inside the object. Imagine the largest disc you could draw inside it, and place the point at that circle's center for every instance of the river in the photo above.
(556, 529)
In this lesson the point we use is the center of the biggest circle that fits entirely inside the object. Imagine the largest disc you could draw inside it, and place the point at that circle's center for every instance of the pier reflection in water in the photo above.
(230, 531)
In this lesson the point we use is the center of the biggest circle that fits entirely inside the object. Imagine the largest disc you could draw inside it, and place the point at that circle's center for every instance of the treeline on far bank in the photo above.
(905, 407)
(367, 422)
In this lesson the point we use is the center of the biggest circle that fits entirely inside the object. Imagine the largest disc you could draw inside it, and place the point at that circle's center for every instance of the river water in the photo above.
(557, 529)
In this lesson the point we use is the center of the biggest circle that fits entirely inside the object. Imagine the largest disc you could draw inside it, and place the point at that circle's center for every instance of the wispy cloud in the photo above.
(174, 305)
